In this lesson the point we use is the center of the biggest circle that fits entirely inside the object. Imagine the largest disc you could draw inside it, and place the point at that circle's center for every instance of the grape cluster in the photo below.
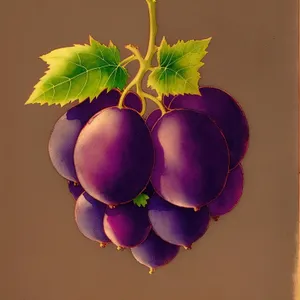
(186, 163)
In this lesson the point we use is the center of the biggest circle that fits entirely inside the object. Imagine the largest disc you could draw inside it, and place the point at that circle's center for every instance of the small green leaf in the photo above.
(141, 200)
(78, 73)
(178, 67)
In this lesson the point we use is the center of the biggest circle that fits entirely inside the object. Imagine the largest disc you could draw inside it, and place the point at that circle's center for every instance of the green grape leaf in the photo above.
(141, 200)
(178, 67)
(78, 73)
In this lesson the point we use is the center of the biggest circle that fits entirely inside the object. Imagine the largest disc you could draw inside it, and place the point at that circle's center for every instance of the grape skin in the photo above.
(168, 99)
(66, 130)
(75, 189)
(61, 146)
(227, 114)
(230, 195)
(177, 225)
(152, 118)
(191, 158)
(149, 190)
(89, 214)
(114, 156)
(155, 252)
(132, 100)
(127, 225)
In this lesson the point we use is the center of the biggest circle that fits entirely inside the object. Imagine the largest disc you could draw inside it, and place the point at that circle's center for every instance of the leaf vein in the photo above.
(72, 78)
(86, 80)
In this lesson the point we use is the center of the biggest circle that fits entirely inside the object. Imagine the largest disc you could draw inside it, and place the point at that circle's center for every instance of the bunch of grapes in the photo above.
(150, 185)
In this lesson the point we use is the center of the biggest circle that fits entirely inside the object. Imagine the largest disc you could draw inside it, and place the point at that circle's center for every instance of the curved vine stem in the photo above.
(137, 79)
(143, 100)
(145, 64)
(128, 60)
(136, 53)
(156, 101)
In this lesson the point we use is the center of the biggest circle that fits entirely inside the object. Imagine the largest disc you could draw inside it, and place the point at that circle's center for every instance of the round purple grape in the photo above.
(114, 156)
(177, 225)
(191, 158)
(155, 252)
(75, 189)
(230, 195)
(127, 225)
(168, 99)
(227, 114)
(153, 118)
(89, 214)
(132, 100)
(66, 130)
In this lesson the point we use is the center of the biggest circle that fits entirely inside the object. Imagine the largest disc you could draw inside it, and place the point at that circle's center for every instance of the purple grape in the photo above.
(230, 195)
(167, 100)
(127, 225)
(75, 189)
(66, 130)
(114, 156)
(155, 252)
(152, 118)
(89, 214)
(227, 114)
(132, 100)
(177, 225)
(191, 158)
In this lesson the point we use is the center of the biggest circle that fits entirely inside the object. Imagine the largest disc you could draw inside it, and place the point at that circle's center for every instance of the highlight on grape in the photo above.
(148, 184)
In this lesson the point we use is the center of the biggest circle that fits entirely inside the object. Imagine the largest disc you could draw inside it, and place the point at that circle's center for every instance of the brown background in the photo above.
(249, 254)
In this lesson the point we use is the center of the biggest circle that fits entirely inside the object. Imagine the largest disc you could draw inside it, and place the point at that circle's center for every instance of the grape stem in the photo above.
(145, 64)
(127, 60)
